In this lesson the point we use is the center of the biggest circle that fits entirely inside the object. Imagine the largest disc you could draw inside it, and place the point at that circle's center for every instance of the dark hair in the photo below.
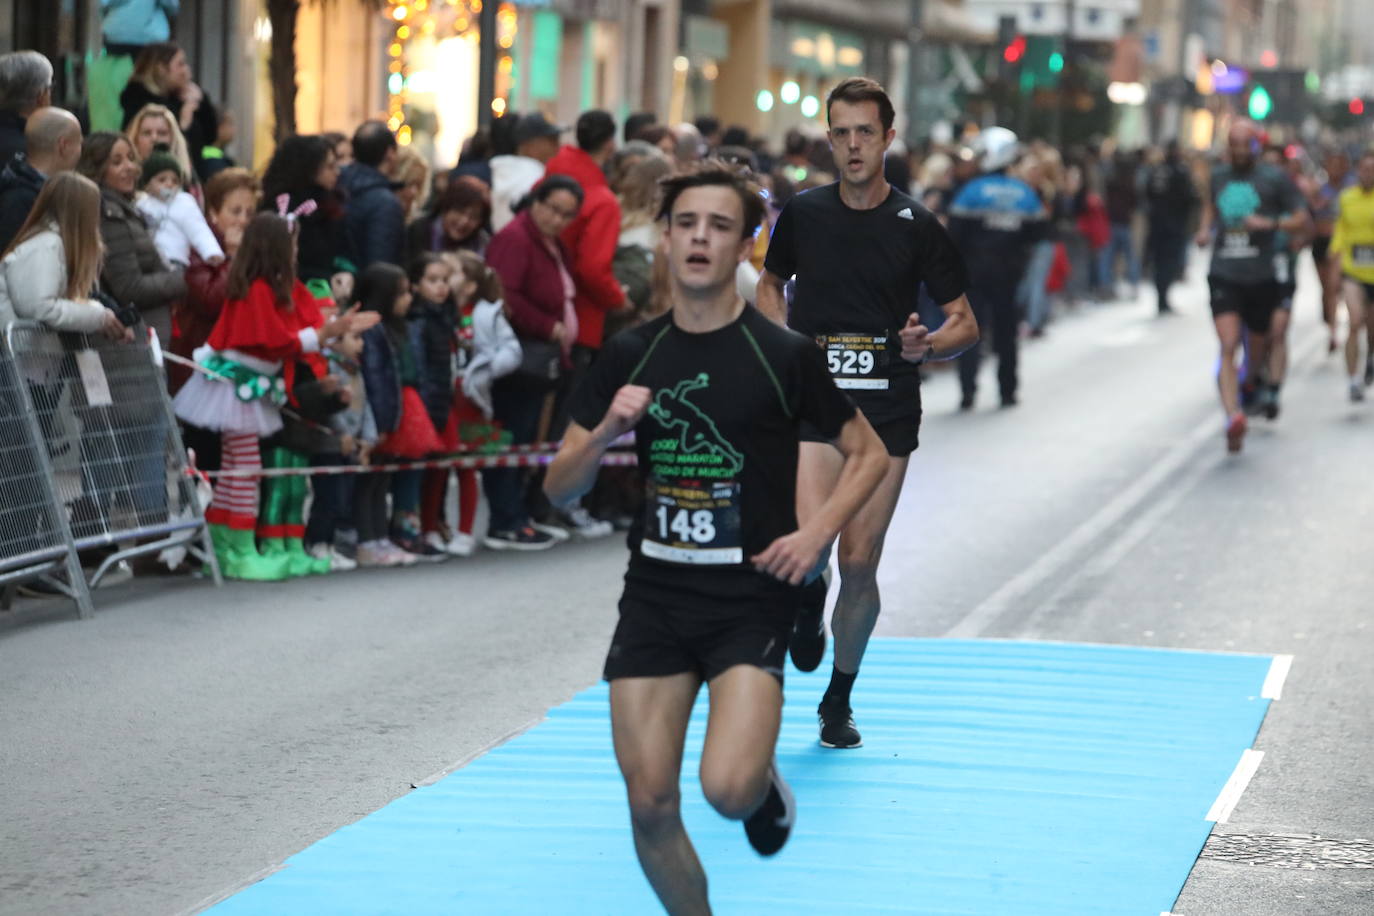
(654, 134)
(594, 129)
(226, 182)
(795, 143)
(293, 167)
(464, 194)
(636, 123)
(735, 136)
(371, 142)
(707, 125)
(378, 287)
(738, 155)
(715, 173)
(95, 154)
(420, 263)
(503, 134)
(334, 138)
(152, 56)
(264, 254)
(859, 89)
(553, 183)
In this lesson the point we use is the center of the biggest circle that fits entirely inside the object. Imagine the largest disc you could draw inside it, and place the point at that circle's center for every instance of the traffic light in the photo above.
(1016, 50)
(1260, 103)
(1356, 106)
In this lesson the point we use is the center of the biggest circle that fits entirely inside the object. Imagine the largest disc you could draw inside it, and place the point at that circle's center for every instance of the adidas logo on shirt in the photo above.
(905, 213)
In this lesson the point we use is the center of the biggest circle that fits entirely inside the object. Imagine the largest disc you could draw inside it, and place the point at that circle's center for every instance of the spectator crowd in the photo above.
(352, 305)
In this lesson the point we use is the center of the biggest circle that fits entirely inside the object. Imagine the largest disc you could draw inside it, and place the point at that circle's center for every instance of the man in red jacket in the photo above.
(591, 240)
(592, 237)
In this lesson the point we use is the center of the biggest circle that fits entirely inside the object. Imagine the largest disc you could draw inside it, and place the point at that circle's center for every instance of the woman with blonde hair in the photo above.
(50, 270)
(155, 126)
(412, 176)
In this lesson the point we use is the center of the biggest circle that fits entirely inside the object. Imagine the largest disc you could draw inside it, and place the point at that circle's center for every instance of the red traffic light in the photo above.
(1357, 106)
(1016, 50)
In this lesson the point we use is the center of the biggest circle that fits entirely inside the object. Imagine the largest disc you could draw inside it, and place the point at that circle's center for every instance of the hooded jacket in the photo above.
(373, 215)
(134, 273)
(19, 187)
(591, 240)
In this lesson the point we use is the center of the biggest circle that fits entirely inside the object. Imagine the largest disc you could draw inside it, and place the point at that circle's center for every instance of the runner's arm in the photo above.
(792, 556)
(957, 334)
(575, 467)
(769, 296)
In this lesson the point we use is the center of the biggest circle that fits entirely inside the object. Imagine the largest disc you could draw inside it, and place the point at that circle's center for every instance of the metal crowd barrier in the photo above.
(97, 460)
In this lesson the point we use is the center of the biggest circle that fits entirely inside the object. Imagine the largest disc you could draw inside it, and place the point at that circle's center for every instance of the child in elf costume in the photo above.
(269, 322)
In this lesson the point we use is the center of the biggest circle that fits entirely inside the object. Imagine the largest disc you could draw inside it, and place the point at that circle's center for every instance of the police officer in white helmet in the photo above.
(995, 220)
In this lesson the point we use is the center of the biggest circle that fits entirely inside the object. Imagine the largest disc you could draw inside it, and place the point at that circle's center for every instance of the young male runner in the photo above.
(1249, 204)
(860, 250)
(715, 393)
(1353, 245)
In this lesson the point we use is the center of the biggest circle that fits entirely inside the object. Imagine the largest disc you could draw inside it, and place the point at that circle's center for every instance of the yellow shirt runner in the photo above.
(1354, 235)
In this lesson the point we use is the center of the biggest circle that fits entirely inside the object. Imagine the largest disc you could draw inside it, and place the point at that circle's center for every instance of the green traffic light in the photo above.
(1260, 103)
(1056, 62)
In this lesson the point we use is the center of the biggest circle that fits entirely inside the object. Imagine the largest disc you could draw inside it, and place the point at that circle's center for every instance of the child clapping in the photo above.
(173, 216)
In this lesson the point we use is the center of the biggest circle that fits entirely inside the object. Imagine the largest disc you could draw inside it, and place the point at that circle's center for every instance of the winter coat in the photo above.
(195, 317)
(495, 353)
(33, 284)
(374, 216)
(382, 377)
(11, 135)
(19, 187)
(134, 273)
(591, 240)
(178, 227)
(432, 325)
(137, 22)
(312, 403)
(202, 132)
(511, 179)
(530, 275)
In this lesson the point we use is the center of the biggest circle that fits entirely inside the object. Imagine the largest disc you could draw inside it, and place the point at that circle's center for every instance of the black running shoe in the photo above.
(837, 726)
(1269, 397)
(769, 827)
(807, 645)
(1368, 372)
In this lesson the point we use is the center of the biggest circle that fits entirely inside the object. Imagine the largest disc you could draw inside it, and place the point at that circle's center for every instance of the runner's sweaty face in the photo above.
(858, 141)
(704, 243)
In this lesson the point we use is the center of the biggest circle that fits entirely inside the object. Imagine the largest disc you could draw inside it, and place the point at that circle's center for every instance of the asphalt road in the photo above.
(186, 739)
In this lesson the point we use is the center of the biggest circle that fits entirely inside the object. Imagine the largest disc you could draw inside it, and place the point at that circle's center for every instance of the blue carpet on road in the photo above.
(997, 778)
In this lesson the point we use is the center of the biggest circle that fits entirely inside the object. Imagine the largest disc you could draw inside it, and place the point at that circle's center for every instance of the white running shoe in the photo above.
(377, 553)
(461, 545)
(436, 541)
(585, 526)
(403, 557)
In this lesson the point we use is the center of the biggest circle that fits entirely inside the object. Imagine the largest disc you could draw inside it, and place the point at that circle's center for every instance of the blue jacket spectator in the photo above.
(381, 379)
(135, 23)
(374, 215)
(54, 142)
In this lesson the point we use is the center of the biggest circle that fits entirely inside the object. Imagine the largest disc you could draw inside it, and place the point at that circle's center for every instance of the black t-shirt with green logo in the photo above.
(1240, 255)
(717, 448)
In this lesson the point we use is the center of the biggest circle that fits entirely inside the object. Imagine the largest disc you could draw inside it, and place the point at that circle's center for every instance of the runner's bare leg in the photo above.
(741, 738)
(649, 718)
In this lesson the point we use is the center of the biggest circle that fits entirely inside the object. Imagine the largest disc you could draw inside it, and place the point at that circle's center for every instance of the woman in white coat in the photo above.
(51, 268)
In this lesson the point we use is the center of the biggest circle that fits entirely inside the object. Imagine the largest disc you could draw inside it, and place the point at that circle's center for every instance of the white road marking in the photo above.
(1015, 590)
(1278, 673)
(1235, 786)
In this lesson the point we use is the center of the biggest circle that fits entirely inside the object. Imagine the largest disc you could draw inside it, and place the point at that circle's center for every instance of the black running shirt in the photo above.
(718, 447)
(858, 276)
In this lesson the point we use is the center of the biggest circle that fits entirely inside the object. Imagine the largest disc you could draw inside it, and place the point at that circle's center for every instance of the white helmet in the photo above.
(996, 148)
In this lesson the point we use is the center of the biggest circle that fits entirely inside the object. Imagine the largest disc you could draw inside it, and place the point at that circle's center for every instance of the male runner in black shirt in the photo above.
(860, 250)
(715, 394)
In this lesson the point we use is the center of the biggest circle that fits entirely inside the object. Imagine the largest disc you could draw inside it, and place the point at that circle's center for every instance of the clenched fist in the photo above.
(626, 410)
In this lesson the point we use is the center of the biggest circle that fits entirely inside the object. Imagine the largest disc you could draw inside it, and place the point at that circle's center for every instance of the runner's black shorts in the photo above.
(1255, 303)
(1321, 244)
(656, 638)
(1286, 293)
(901, 437)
